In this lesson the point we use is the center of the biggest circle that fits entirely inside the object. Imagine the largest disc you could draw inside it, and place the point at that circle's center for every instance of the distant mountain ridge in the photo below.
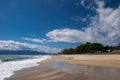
(22, 52)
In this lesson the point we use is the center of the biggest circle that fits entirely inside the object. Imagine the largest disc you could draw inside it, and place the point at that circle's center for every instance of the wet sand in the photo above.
(68, 68)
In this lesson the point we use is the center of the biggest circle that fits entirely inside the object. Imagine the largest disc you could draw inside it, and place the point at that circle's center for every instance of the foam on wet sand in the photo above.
(7, 68)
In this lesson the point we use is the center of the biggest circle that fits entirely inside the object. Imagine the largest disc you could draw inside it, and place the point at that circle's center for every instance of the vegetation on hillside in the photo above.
(89, 47)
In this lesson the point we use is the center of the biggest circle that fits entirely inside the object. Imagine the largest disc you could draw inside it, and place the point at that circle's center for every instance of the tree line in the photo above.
(89, 47)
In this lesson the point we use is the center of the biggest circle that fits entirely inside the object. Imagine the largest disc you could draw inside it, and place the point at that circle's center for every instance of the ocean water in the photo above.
(11, 63)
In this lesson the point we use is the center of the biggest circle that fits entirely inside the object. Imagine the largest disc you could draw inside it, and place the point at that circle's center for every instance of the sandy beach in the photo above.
(95, 60)
(73, 67)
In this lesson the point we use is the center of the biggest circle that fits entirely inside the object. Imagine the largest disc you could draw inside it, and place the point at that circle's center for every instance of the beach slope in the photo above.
(73, 67)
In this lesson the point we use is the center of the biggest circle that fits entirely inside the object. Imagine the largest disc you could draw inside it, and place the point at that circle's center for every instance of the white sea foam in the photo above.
(7, 68)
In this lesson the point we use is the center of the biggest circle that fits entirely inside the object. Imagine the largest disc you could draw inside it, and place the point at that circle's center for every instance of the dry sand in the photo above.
(96, 60)
(73, 67)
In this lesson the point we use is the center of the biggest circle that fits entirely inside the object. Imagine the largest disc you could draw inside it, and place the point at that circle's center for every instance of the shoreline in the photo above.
(58, 67)
(9, 68)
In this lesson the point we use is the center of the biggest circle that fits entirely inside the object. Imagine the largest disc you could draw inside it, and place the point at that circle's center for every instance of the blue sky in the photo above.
(51, 25)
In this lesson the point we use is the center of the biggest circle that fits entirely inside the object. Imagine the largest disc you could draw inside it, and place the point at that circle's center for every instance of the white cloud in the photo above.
(14, 45)
(65, 35)
(88, 4)
(34, 40)
(80, 19)
(104, 28)
(106, 25)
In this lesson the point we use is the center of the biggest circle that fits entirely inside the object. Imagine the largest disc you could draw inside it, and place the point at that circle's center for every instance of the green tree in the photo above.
(88, 47)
